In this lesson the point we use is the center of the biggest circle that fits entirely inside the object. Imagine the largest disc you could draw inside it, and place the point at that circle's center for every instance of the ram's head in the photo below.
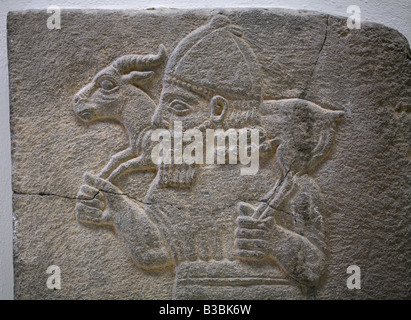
(113, 87)
(303, 131)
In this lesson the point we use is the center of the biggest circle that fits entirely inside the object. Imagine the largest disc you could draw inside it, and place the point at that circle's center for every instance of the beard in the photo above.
(176, 175)
(183, 175)
(179, 175)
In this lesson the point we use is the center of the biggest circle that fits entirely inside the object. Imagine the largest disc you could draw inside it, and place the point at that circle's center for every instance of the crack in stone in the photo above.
(309, 81)
(267, 201)
(124, 194)
(43, 194)
(142, 202)
(278, 209)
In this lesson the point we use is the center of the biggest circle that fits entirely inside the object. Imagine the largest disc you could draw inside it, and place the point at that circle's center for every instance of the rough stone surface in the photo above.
(332, 190)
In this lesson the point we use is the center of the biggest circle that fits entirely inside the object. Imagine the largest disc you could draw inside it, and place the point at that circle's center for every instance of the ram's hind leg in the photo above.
(140, 163)
(116, 161)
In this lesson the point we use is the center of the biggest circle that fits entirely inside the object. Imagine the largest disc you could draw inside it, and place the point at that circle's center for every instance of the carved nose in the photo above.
(76, 99)
(159, 122)
(81, 96)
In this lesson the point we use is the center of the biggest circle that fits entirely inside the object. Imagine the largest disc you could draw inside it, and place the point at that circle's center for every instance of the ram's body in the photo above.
(115, 93)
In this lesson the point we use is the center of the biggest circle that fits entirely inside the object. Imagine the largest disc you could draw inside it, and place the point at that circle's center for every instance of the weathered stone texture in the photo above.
(356, 82)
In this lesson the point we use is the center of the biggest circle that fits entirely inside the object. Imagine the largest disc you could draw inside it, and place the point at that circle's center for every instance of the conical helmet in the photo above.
(215, 59)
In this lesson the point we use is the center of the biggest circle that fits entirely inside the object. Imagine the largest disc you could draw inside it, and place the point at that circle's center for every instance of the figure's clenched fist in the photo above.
(253, 235)
(91, 206)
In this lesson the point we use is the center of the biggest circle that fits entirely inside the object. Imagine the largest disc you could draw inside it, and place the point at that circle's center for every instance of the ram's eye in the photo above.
(180, 108)
(107, 84)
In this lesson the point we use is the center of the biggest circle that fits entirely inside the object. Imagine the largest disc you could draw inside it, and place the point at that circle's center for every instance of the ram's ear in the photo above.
(139, 77)
(326, 138)
(335, 115)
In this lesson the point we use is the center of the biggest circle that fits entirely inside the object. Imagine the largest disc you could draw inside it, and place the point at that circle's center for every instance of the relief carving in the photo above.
(227, 235)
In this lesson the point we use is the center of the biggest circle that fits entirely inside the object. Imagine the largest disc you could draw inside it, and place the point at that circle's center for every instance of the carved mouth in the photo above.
(86, 115)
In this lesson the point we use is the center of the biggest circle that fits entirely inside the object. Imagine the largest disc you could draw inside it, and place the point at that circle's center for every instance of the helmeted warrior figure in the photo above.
(229, 236)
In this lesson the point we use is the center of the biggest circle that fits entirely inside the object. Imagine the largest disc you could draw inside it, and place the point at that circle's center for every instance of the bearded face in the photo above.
(180, 110)
(189, 109)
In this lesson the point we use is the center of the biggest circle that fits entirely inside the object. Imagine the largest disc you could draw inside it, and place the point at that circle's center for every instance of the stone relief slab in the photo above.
(209, 154)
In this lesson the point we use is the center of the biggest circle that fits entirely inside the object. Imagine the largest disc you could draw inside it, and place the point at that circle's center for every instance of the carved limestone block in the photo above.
(209, 154)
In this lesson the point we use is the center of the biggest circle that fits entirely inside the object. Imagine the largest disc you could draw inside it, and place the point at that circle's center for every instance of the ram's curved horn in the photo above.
(128, 63)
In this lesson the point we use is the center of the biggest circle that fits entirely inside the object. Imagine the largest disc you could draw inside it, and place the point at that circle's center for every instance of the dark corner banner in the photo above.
(234, 309)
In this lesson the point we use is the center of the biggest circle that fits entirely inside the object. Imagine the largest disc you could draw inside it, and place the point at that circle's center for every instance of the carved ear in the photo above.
(139, 77)
(219, 107)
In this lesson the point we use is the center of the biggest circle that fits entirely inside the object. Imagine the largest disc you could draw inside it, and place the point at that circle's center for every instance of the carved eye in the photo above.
(107, 84)
(180, 108)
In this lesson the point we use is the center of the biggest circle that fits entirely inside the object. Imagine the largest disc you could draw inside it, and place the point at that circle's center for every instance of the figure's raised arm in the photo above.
(135, 229)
